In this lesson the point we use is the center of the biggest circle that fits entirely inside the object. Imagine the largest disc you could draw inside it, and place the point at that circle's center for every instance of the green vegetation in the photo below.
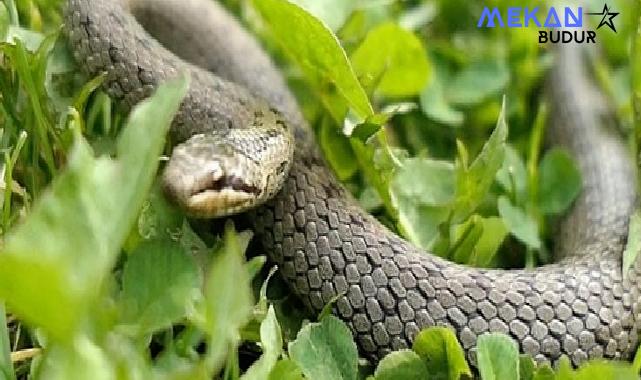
(102, 278)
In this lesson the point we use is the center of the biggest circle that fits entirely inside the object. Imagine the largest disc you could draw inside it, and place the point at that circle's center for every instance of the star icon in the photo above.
(607, 18)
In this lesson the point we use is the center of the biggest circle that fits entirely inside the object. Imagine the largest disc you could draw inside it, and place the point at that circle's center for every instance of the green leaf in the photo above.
(193, 244)
(254, 266)
(414, 18)
(333, 13)
(286, 369)
(477, 240)
(498, 357)
(560, 182)
(527, 367)
(52, 281)
(158, 285)
(420, 224)
(4, 21)
(6, 365)
(338, 151)
(315, 49)
(272, 346)
(30, 38)
(385, 161)
(82, 359)
(441, 353)
(331, 340)
(635, 71)
(513, 176)
(544, 373)
(601, 369)
(494, 232)
(369, 199)
(564, 369)
(466, 236)
(402, 364)
(392, 60)
(435, 105)
(228, 297)
(370, 126)
(426, 182)
(473, 183)
(633, 245)
(636, 362)
(477, 82)
(520, 224)
(159, 218)
(60, 70)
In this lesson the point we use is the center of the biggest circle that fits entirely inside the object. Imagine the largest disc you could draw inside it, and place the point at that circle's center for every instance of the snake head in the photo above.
(209, 178)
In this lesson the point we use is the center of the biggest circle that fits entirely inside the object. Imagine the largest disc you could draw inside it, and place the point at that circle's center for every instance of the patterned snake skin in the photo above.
(326, 245)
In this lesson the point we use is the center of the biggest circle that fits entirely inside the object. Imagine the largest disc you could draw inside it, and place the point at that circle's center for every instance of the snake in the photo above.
(242, 145)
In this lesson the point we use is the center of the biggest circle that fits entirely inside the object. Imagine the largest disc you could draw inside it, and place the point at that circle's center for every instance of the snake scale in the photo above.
(325, 245)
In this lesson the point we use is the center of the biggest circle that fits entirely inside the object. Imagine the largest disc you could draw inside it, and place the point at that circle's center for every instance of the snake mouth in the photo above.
(222, 195)
(227, 182)
(218, 203)
(207, 188)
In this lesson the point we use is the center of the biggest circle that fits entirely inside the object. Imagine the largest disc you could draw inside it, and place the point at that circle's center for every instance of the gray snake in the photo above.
(326, 246)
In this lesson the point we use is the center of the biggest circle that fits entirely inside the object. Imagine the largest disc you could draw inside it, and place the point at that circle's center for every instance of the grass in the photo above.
(104, 279)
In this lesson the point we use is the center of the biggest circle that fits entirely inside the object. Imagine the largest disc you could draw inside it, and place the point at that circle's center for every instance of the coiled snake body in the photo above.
(324, 244)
